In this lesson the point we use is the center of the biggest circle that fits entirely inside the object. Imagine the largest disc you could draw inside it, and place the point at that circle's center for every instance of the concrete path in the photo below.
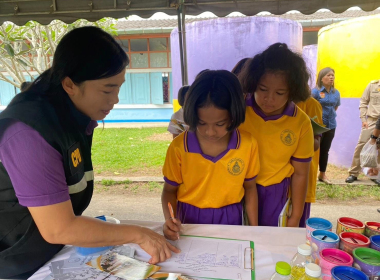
(149, 208)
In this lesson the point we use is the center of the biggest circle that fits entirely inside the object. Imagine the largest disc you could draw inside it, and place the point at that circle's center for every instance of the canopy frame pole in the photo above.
(186, 78)
(180, 43)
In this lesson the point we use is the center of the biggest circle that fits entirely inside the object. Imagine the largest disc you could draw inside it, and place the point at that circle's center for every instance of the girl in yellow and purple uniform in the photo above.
(210, 168)
(313, 109)
(276, 79)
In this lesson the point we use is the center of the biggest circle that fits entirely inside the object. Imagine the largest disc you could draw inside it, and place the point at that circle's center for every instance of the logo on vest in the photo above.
(288, 137)
(75, 159)
(235, 166)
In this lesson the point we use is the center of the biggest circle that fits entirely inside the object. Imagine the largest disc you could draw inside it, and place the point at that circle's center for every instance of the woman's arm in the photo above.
(251, 202)
(299, 182)
(58, 225)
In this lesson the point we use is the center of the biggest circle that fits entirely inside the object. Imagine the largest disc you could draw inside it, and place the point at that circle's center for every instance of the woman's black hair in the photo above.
(277, 59)
(24, 86)
(239, 66)
(83, 54)
(182, 94)
(219, 88)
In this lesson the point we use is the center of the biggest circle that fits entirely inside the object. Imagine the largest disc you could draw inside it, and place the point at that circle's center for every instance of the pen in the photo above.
(171, 210)
(171, 213)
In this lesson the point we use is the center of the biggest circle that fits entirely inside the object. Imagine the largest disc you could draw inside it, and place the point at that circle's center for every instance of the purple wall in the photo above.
(309, 54)
(347, 132)
(221, 43)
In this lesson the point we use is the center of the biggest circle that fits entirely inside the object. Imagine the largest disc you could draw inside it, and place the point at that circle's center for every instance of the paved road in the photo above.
(138, 207)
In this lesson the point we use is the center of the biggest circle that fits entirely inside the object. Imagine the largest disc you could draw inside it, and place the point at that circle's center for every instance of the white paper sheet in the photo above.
(206, 257)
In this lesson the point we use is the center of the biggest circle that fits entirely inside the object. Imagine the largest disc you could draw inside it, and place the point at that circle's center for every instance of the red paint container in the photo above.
(349, 225)
(372, 228)
(351, 240)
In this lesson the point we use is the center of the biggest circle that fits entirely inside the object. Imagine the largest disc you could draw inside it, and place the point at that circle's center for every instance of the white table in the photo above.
(271, 244)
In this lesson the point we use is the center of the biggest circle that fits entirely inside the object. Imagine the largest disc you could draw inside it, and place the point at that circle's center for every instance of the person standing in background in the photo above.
(369, 114)
(329, 97)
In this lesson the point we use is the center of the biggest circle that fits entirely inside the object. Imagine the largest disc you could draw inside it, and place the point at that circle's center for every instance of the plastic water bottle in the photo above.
(300, 260)
(283, 270)
(312, 272)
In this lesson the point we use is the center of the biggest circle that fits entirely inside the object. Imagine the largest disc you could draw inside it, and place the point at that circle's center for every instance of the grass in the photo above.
(129, 150)
(348, 192)
(107, 182)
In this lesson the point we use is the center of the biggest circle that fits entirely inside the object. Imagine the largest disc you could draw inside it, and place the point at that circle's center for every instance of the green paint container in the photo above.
(368, 261)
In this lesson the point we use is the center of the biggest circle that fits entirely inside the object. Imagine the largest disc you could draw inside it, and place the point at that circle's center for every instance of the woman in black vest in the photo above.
(46, 176)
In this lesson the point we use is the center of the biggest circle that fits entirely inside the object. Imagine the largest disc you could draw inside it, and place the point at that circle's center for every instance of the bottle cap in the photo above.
(304, 249)
(283, 268)
(313, 270)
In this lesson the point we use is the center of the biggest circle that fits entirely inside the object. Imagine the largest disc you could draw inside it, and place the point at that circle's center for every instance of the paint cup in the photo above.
(322, 239)
(349, 225)
(375, 242)
(347, 273)
(351, 240)
(315, 224)
(329, 258)
(371, 229)
(368, 261)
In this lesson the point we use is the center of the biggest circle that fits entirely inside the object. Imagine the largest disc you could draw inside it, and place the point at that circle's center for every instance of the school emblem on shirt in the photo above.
(288, 137)
(235, 166)
(322, 94)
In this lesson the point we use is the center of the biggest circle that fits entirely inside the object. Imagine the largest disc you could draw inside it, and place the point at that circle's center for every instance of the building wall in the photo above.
(147, 81)
(352, 49)
(221, 43)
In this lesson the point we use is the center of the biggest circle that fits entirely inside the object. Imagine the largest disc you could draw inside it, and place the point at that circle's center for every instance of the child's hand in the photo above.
(172, 228)
(293, 222)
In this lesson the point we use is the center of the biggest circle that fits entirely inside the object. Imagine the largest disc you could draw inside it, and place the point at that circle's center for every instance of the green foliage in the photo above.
(29, 48)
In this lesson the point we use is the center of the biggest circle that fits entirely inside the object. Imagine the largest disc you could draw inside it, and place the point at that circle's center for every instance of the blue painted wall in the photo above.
(140, 115)
(139, 88)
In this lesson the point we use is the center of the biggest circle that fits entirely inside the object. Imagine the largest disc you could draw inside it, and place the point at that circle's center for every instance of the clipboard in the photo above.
(317, 128)
(248, 255)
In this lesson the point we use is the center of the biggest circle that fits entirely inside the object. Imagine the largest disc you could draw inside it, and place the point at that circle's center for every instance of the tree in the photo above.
(27, 51)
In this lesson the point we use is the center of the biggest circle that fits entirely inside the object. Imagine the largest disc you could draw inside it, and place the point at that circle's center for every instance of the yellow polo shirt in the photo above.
(281, 138)
(211, 182)
(313, 109)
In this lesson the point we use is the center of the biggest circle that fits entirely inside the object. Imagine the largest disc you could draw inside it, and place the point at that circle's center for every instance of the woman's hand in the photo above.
(155, 245)
(172, 228)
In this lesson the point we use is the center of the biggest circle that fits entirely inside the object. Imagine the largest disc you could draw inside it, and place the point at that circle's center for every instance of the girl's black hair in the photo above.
(239, 66)
(219, 88)
(277, 58)
(182, 94)
(83, 54)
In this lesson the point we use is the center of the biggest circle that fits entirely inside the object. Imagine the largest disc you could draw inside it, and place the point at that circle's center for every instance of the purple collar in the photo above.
(290, 110)
(192, 145)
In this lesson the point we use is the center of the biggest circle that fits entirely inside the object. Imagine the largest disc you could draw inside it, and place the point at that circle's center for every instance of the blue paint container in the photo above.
(375, 242)
(347, 273)
(322, 239)
(315, 224)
